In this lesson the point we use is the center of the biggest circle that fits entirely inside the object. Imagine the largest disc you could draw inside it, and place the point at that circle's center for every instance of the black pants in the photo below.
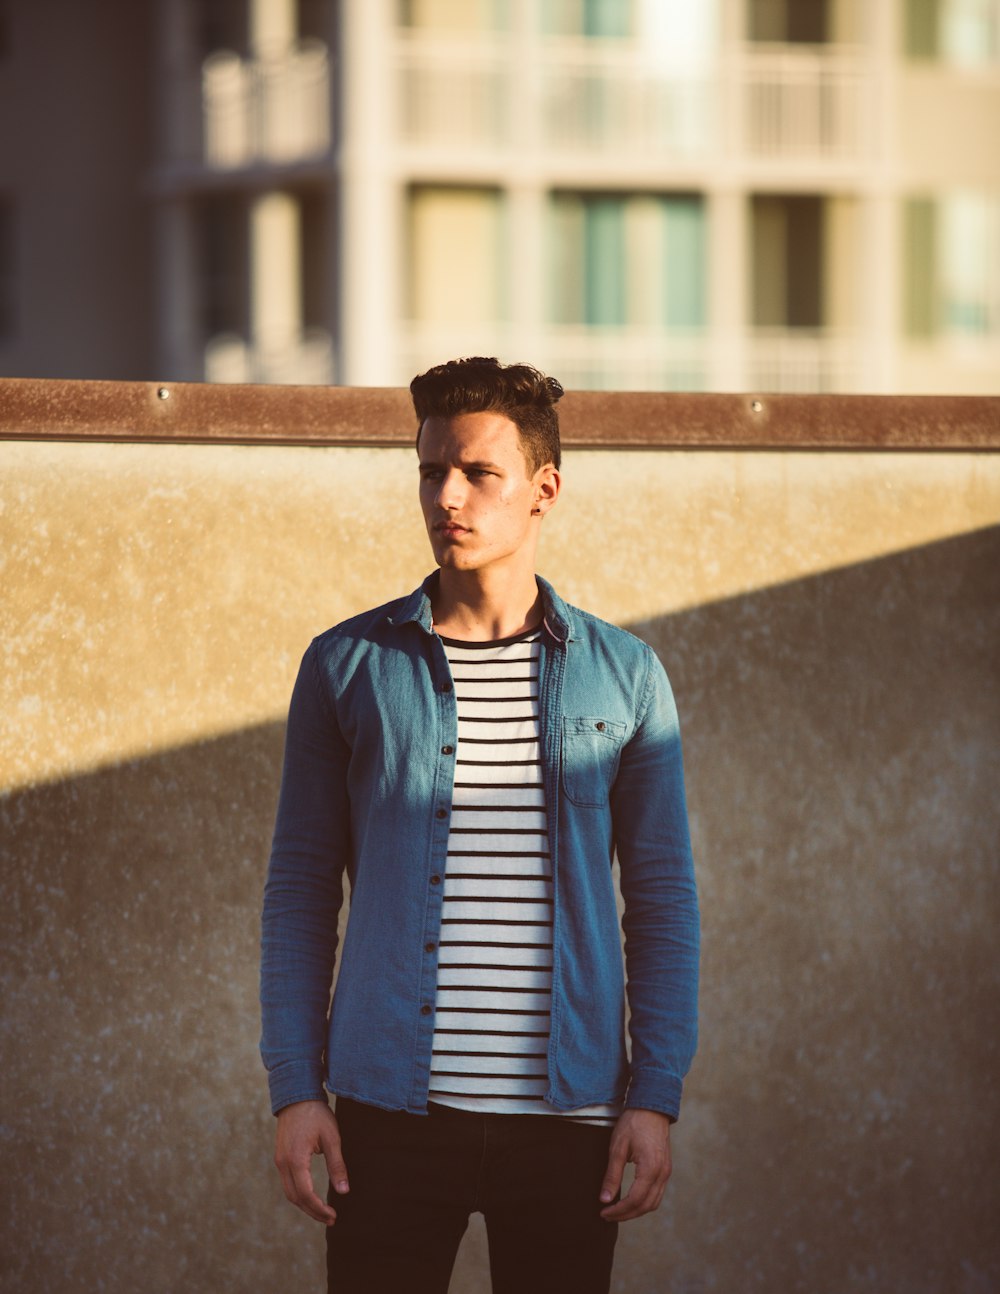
(415, 1179)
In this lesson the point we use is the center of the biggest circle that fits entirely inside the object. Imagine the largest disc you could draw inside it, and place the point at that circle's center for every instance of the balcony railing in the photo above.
(644, 359)
(801, 361)
(238, 112)
(612, 99)
(307, 360)
(627, 359)
(615, 102)
(582, 358)
(454, 92)
(802, 102)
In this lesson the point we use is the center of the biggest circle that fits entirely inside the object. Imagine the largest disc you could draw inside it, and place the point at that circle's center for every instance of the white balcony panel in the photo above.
(307, 360)
(801, 103)
(620, 101)
(421, 345)
(453, 92)
(270, 110)
(790, 361)
(614, 101)
(468, 93)
(801, 361)
(628, 359)
(582, 358)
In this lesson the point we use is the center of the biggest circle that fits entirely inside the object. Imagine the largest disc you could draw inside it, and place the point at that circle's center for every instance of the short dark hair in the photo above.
(479, 385)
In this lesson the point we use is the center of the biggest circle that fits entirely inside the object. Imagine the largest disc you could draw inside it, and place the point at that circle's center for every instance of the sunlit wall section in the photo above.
(161, 594)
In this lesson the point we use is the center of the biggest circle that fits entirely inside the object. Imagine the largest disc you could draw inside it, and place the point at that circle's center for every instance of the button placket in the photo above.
(441, 810)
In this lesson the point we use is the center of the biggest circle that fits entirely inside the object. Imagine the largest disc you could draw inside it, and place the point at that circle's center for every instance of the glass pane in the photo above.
(454, 15)
(788, 252)
(919, 272)
(970, 31)
(805, 21)
(922, 28)
(604, 253)
(970, 263)
(607, 17)
(567, 259)
(587, 17)
(684, 231)
(805, 249)
(677, 33)
(455, 255)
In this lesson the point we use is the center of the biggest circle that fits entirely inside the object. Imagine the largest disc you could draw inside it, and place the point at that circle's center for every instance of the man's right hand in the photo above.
(305, 1129)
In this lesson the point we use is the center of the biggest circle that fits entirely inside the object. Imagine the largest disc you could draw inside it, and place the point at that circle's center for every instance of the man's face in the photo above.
(479, 502)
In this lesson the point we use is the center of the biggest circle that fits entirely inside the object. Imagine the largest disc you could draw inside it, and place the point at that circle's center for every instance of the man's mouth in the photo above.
(450, 528)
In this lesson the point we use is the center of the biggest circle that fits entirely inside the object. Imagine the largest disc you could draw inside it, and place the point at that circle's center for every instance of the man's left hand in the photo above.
(641, 1137)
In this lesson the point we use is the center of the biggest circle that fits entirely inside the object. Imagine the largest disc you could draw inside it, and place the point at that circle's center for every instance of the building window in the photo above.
(454, 15)
(675, 34)
(588, 17)
(964, 32)
(317, 289)
(787, 255)
(789, 21)
(263, 277)
(628, 260)
(919, 275)
(952, 266)
(456, 254)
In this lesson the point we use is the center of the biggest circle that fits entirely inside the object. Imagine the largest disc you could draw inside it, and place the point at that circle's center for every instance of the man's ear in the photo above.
(547, 484)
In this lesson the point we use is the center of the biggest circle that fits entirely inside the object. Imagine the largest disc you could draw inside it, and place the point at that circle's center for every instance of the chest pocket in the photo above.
(591, 746)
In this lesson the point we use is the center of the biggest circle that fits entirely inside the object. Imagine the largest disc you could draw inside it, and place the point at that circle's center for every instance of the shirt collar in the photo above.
(417, 608)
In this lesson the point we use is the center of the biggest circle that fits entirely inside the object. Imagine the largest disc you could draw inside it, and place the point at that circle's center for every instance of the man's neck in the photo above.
(473, 609)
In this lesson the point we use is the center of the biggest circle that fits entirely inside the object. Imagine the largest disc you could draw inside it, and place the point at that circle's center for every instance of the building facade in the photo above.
(784, 195)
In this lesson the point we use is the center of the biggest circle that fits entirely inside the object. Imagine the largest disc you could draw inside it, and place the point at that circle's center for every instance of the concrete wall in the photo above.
(830, 623)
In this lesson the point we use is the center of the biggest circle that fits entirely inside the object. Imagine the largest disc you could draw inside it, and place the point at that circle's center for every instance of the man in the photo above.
(474, 756)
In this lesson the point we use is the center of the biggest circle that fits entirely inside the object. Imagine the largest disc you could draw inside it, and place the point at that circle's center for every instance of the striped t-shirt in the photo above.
(494, 989)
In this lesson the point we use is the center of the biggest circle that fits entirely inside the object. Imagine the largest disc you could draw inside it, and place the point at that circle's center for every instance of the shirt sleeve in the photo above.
(660, 921)
(304, 893)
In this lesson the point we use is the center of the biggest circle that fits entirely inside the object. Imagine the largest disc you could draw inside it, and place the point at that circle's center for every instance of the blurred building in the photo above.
(660, 194)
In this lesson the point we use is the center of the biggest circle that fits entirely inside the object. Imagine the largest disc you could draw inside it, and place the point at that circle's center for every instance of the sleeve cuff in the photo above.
(652, 1089)
(299, 1080)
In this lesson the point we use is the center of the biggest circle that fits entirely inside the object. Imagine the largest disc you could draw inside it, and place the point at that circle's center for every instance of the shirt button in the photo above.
(599, 727)
(441, 813)
(429, 948)
(446, 687)
(425, 1009)
(435, 879)
(447, 750)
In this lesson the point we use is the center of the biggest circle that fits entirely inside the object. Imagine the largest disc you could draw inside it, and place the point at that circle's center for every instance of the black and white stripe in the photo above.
(494, 991)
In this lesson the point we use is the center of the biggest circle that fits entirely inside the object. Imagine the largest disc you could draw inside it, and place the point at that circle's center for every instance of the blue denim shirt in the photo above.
(366, 791)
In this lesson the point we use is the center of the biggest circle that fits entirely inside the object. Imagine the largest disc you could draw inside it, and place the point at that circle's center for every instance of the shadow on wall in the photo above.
(841, 1126)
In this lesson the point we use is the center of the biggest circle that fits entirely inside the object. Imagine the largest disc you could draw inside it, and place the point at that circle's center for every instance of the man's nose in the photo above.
(450, 493)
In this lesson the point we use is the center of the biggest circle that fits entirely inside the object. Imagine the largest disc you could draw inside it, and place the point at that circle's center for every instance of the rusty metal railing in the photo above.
(190, 413)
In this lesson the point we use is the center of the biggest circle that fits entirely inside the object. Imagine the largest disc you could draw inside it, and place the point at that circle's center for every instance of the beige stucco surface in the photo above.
(944, 128)
(829, 622)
